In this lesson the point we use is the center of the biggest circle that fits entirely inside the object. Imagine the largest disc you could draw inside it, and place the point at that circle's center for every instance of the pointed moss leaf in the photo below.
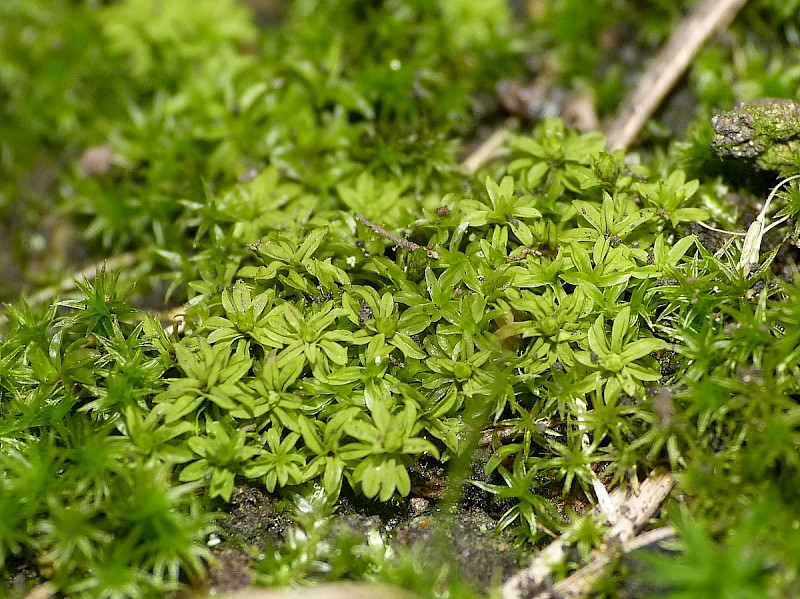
(310, 244)
(406, 345)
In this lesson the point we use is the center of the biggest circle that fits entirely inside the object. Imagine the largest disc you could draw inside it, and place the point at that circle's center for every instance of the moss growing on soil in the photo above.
(333, 353)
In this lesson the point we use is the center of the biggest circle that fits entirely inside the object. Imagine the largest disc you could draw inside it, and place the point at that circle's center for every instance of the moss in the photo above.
(360, 318)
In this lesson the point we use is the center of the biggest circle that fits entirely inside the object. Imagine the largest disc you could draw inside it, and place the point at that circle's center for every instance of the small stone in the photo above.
(418, 506)
(96, 161)
(765, 132)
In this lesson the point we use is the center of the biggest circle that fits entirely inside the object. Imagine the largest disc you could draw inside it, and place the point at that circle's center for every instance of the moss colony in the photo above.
(356, 308)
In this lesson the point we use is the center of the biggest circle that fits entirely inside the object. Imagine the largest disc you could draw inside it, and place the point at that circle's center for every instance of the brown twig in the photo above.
(651, 537)
(633, 510)
(502, 433)
(484, 152)
(667, 68)
(410, 245)
(579, 583)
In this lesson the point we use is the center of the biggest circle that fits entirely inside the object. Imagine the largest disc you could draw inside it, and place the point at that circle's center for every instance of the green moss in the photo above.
(355, 303)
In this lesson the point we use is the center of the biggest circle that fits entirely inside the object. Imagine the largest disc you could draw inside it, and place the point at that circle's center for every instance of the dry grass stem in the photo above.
(667, 68)
(634, 510)
(489, 147)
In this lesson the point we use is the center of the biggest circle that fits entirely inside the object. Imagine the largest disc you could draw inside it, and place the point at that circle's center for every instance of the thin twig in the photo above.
(409, 245)
(633, 509)
(579, 583)
(502, 433)
(667, 68)
(484, 152)
(651, 537)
